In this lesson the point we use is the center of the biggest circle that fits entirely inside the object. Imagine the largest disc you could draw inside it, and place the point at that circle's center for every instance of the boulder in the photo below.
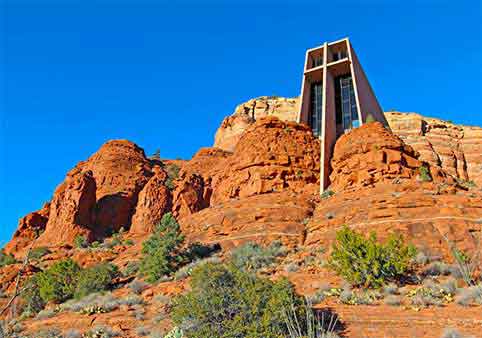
(29, 228)
(272, 155)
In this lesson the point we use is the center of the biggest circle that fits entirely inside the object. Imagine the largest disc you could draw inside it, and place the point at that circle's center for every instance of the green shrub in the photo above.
(424, 174)
(327, 193)
(227, 302)
(96, 278)
(252, 256)
(38, 253)
(365, 261)
(131, 269)
(31, 296)
(172, 174)
(81, 242)
(369, 118)
(58, 282)
(161, 252)
(6, 259)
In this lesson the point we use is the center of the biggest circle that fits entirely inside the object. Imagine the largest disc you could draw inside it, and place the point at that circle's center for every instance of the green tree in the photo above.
(96, 278)
(58, 282)
(161, 253)
(230, 303)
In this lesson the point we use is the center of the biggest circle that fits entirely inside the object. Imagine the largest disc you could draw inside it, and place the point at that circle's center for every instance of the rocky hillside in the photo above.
(456, 149)
(259, 184)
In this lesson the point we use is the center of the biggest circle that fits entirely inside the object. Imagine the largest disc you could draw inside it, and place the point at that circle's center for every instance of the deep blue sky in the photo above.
(77, 73)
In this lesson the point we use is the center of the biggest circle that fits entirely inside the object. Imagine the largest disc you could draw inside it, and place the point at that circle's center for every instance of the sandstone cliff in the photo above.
(456, 149)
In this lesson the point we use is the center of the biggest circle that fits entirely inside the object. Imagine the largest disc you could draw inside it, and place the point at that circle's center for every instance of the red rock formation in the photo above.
(456, 149)
(261, 218)
(29, 228)
(190, 195)
(372, 154)
(194, 186)
(70, 211)
(247, 113)
(272, 155)
(121, 170)
(153, 202)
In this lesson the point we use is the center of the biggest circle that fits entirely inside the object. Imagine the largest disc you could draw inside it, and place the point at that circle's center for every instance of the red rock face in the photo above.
(190, 195)
(422, 215)
(231, 129)
(456, 149)
(261, 218)
(29, 228)
(371, 154)
(271, 156)
(70, 211)
(153, 202)
(121, 170)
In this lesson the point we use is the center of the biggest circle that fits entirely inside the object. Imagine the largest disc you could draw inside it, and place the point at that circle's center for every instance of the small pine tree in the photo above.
(161, 252)
(365, 261)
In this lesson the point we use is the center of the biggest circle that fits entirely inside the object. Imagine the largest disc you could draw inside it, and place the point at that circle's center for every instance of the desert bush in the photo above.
(392, 300)
(81, 242)
(31, 296)
(96, 278)
(390, 289)
(101, 331)
(313, 325)
(49, 333)
(252, 256)
(451, 333)
(37, 253)
(46, 313)
(175, 333)
(142, 331)
(6, 259)
(161, 252)
(470, 295)
(326, 194)
(131, 269)
(365, 261)
(58, 282)
(228, 302)
(137, 286)
(186, 270)
(72, 333)
(172, 171)
(424, 174)
(132, 300)
(437, 269)
(93, 303)
(430, 293)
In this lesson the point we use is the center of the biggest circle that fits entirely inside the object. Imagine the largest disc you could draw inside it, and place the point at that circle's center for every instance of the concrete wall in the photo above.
(368, 103)
(329, 139)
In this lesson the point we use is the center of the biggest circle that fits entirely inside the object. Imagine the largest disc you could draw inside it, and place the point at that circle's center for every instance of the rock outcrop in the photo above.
(272, 155)
(121, 170)
(70, 211)
(154, 201)
(371, 154)
(29, 228)
(456, 149)
(258, 218)
(247, 113)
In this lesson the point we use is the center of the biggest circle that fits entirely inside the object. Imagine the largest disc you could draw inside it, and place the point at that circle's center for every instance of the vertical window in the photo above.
(347, 113)
(316, 110)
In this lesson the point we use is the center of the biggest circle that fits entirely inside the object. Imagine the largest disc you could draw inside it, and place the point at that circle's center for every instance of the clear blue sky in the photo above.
(77, 73)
